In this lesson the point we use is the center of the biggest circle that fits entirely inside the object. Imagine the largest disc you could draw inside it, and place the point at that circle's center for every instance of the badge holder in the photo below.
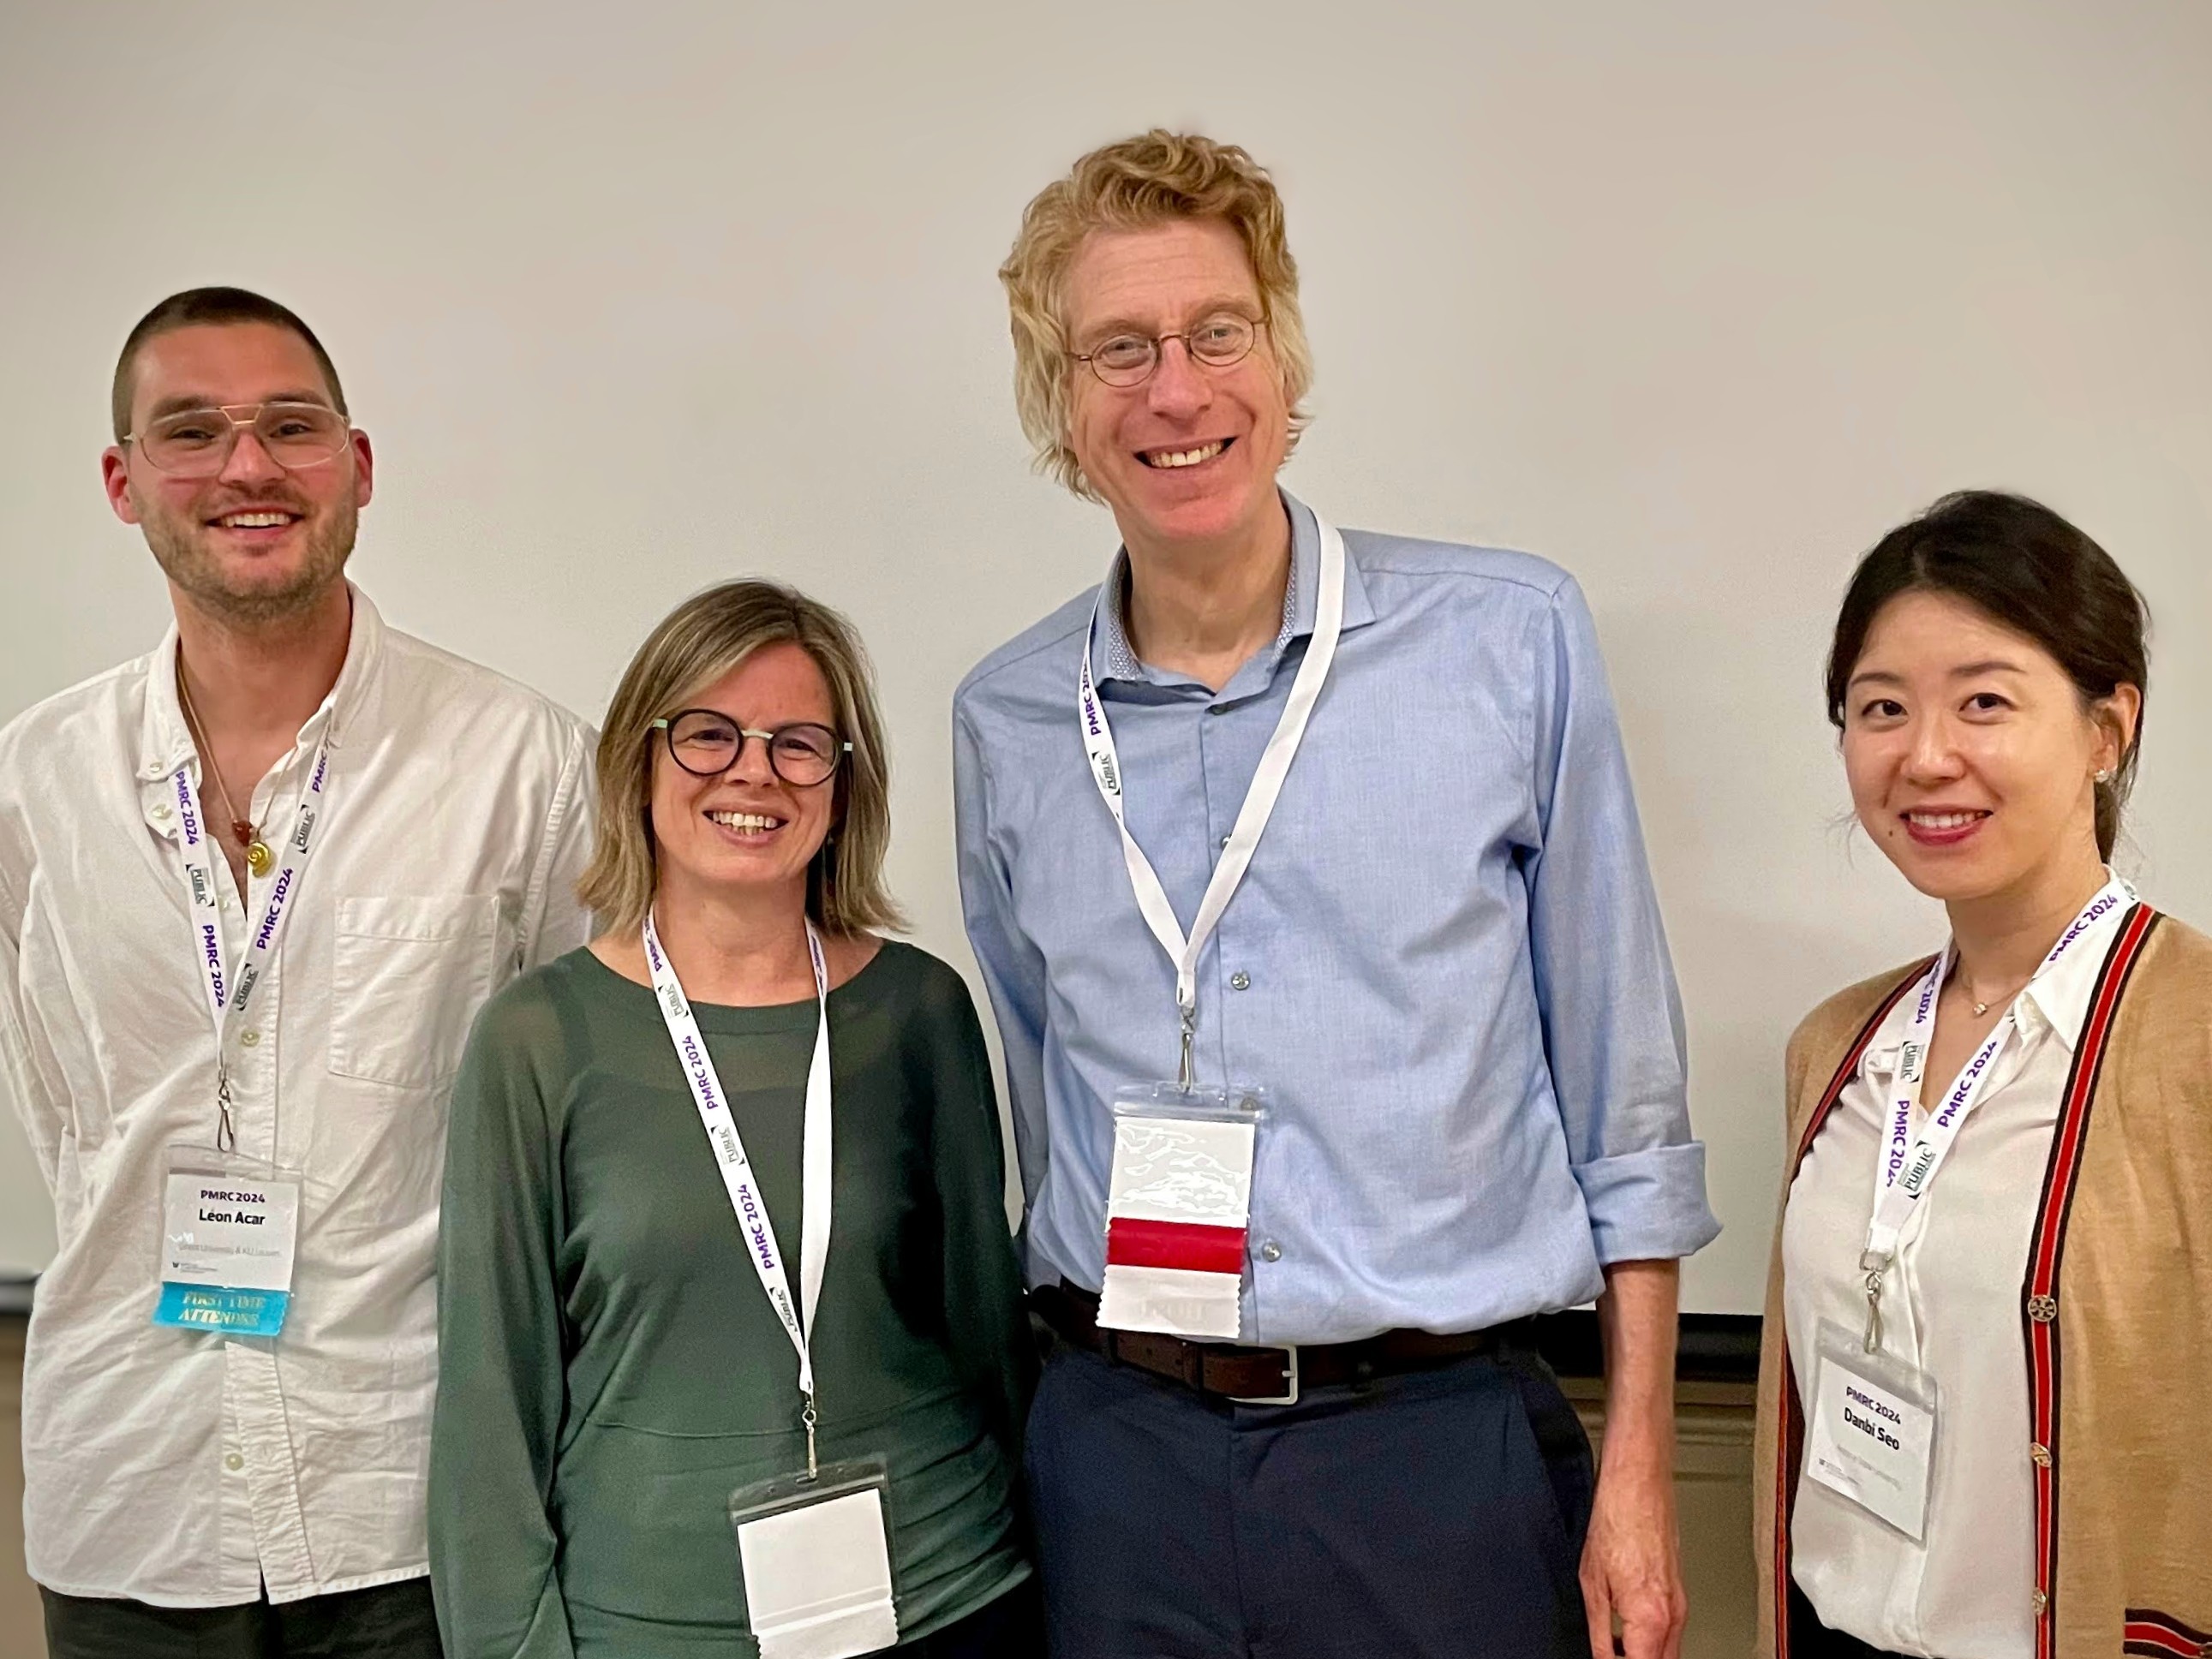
(815, 1552)
(229, 1227)
(1177, 1208)
(1871, 1438)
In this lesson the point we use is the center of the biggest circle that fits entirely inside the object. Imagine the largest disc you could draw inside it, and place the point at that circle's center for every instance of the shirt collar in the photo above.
(2061, 997)
(165, 741)
(1113, 657)
(2057, 1002)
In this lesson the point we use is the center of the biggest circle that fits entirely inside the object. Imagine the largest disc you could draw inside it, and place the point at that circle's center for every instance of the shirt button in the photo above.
(1225, 843)
(233, 1462)
(249, 1038)
(1239, 982)
(162, 811)
(2040, 1456)
(1271, 1251)
(1218, 708)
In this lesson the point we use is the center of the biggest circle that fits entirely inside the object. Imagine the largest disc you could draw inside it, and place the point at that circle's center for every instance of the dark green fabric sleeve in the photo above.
(502, 1388)
(984, 1313)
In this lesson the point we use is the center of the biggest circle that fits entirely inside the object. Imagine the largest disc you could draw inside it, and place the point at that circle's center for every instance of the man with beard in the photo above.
(235, 1070)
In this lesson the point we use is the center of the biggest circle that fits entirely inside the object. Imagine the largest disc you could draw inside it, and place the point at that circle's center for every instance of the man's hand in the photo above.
(1631, 1562)
(1630, 1565)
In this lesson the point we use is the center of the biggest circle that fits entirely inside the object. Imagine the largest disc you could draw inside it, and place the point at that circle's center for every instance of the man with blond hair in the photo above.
(1305, 875)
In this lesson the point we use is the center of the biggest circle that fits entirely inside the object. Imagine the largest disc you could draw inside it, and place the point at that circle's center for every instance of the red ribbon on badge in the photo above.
(1134, 1243)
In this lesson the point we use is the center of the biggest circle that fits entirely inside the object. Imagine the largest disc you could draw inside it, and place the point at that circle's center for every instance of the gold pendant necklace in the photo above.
(258, 858)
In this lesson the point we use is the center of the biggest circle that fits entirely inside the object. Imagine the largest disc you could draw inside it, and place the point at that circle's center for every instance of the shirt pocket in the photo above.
(409, 977)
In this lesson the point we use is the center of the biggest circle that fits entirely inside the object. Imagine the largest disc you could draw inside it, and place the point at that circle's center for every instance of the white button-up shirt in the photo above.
(1950, 1305)
(180, 1468)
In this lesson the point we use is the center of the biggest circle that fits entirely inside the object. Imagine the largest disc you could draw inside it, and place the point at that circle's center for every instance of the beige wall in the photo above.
(1696, 299)
(1712, 1485)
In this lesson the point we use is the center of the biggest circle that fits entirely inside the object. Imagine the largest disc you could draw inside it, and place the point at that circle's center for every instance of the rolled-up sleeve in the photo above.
(1612, 1017)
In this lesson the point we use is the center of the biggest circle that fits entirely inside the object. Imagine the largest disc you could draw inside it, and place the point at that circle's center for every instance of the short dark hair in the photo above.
(2027, 569)
(197, 306)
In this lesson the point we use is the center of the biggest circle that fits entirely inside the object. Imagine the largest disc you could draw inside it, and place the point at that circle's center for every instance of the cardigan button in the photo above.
(2041, 1455)
(2039, 1601)
(2043, 1308)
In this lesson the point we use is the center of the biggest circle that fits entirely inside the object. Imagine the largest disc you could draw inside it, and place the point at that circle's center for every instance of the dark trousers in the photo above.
(1011, 1626)
(1811, 1639)
(1432, 1515)
(389, 1622)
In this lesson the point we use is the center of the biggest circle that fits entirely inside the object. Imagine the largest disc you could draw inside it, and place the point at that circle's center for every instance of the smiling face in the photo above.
(1973, 760)
(255, 542)
(746, 827)
(1190, 456)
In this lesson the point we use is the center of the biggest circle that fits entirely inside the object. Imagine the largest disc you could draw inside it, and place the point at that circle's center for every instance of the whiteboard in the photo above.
(1695, 299)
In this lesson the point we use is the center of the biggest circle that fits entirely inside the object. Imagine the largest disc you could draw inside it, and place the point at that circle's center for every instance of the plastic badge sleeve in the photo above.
(229, 1227)
(816, 1558)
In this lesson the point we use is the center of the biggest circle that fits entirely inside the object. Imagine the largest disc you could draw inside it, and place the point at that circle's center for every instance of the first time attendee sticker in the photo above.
(228, 1228)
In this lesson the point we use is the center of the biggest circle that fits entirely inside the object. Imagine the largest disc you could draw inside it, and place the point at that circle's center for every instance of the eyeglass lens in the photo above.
(198, 442)
(707, 745)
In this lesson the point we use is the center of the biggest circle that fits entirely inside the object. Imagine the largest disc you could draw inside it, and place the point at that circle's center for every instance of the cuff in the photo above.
(1648, 1205)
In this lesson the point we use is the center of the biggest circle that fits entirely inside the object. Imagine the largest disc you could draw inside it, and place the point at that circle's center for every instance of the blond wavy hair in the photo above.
(703, 639)
(1153, 178)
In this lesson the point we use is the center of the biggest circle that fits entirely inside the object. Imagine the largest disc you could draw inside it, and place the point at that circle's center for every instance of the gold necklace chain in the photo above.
(242, 830)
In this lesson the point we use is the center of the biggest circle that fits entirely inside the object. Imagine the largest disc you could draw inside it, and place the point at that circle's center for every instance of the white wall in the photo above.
(1697, 300)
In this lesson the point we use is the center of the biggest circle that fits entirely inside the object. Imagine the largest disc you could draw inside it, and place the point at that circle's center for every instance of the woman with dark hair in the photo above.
(1984, 1417)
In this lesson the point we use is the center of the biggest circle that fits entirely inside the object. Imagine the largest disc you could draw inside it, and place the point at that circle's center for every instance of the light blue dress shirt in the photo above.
(1445, 964)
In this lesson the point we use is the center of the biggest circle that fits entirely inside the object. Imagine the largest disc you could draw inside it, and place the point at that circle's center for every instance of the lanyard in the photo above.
(228, 997)
(1908, 1162)
(737, 1178)
(1258, 799)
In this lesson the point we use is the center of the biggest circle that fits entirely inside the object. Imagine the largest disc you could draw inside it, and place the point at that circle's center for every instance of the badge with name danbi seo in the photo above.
(1872, 1437)
(228, 1228)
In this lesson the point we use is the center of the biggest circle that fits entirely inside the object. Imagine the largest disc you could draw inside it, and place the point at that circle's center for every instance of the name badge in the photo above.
(1178, 1208)
(229, 1228)
(815, 1557)
(1872, 1434)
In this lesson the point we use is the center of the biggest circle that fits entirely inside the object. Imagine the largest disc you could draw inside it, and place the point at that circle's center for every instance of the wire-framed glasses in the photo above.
(197, 443)
(707, 744)
(1221, 340)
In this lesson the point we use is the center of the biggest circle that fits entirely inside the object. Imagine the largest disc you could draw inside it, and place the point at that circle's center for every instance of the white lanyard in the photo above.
(1258, 799)
(1907, 1164)
(228, 997)
(737, 1178)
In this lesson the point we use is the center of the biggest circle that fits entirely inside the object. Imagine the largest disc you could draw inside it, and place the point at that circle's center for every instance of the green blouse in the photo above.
(610, 1369)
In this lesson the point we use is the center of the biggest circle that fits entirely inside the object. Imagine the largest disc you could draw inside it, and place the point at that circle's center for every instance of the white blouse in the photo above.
(1951, 1306)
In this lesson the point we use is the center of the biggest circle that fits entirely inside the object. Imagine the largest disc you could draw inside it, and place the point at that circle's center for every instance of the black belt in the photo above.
(1261, 1376)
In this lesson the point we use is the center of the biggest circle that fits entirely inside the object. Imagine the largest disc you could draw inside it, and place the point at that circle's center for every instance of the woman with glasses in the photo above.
(731, 1323)
(1982, 1413)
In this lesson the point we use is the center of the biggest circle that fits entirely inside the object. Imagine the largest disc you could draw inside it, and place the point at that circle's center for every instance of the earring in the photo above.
(2105, 774)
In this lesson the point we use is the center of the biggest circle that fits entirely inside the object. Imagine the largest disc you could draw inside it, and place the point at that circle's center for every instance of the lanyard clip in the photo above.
(807, 1417)
(1187, 1078)
(1874, 1263)
(226, 1131)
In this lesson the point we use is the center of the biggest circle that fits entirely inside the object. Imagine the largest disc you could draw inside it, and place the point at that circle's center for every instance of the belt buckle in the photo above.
(1291, 1376)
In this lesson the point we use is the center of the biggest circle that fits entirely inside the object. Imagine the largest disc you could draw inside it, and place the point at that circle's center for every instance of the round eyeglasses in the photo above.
(197, 443)
(1220, 341)
(707, 744)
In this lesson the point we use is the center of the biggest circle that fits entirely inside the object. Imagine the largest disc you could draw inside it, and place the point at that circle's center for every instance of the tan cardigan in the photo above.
(2116, 1317)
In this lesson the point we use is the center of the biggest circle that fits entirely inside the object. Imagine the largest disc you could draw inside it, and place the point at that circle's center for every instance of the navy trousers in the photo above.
(1439, 1514)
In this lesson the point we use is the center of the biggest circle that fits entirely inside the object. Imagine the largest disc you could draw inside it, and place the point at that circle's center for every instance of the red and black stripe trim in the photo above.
(1790, 1416)
(2162, 1636)
(2046, 1254)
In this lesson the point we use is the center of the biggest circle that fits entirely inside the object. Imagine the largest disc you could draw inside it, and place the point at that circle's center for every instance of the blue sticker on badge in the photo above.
(213, 1308)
